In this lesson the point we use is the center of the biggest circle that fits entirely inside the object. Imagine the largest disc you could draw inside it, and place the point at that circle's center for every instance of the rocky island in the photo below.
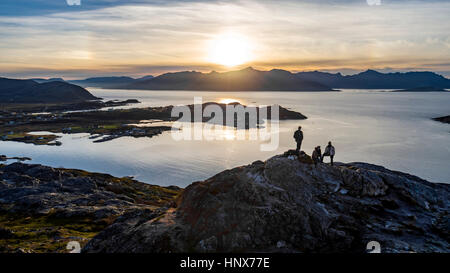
(111, 124)
(284, 204)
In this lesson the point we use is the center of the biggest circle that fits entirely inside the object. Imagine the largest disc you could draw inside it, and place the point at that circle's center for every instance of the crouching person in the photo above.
(316, 155)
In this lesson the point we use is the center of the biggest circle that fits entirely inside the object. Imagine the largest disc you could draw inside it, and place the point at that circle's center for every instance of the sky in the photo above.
(50, 38)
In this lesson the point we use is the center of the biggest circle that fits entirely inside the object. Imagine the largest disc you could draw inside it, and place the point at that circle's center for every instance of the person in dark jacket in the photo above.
(298, 136)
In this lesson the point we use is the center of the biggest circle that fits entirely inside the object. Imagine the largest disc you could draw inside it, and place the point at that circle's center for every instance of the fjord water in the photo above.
(394, 130)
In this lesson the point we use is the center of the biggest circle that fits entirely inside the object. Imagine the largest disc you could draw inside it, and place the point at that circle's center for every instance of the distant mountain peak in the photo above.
(280, 71)
(41, 80)
(370, 72)
(146, 77)
(249, 69)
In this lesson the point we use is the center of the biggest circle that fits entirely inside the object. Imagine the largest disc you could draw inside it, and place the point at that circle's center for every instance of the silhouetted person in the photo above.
(319, 150)
(298, 136)
(316, 155)
(329, 151)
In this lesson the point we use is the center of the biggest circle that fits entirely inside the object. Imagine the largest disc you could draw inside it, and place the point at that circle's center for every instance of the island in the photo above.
(113, 123)
(5, 158)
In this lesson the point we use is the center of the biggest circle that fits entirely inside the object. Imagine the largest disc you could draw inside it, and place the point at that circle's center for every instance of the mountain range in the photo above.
(371, 79)
(29, 91)
(107, 82)
(249, 79)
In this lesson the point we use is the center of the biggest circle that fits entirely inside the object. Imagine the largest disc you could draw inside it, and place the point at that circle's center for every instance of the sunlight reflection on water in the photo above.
(389, 129)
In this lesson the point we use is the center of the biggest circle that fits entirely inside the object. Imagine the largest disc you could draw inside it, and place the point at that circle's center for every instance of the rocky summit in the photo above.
(289, 205)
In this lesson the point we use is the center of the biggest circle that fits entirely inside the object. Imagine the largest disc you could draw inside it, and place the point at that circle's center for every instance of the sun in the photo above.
(230, 49)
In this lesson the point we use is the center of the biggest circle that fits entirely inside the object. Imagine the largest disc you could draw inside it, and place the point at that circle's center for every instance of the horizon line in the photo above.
(335, 72)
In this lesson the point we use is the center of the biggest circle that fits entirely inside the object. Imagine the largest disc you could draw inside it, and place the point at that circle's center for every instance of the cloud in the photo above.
(45, 7)
(146, 37)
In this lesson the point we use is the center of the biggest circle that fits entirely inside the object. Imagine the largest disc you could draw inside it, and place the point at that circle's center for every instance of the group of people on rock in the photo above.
(317, 155)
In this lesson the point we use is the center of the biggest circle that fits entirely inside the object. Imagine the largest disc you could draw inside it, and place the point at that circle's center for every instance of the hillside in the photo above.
(29, 91)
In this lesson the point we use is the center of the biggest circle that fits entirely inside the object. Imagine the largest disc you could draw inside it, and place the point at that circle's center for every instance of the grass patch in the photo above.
(46, 234)
(140, 192)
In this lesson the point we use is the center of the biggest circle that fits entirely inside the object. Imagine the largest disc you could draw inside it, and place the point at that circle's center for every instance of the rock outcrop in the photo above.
(36, 189)
(287, 205)
(42, 208)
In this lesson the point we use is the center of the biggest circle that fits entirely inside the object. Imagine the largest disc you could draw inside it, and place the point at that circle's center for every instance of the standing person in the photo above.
(329, 151)
(298, 136)
(316, 155)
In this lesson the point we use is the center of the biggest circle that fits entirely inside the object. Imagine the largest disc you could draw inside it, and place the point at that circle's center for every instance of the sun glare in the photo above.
(228, 101)
(230, 49)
